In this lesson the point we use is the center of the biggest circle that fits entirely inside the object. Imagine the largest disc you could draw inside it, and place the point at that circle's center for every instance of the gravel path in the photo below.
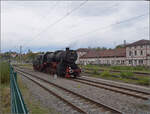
(128, 105)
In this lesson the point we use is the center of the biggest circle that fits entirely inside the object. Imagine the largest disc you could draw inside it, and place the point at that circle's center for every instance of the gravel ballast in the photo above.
(46, 99)
(126, 104)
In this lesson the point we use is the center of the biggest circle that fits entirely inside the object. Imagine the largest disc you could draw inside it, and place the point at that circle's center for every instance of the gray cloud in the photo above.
(21, 23)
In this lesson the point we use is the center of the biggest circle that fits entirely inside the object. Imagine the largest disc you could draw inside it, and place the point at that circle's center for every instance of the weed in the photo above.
(144, 81)
(127, 74)
(4, 72)
(95, 71)
(106, 73)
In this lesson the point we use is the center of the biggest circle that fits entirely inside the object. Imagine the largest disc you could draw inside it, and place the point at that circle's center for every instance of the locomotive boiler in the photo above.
(59, 62)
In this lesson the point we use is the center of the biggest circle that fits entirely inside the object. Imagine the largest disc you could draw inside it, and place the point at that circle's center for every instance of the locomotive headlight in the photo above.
(70, 70)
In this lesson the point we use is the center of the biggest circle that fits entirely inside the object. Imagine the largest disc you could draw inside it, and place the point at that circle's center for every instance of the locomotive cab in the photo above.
(37, 62)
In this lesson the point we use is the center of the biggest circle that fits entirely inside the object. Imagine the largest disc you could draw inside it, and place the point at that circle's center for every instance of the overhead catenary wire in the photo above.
(56, 22)
(85, 35)
(48, 13)
(114, 24)
(95, 30)
(114, 5)
(42, 18)
(111, 25)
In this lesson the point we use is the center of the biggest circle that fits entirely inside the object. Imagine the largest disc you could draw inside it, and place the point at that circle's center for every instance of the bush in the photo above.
(106, 73)
(4, 73)
(144, 81)
(128, 75)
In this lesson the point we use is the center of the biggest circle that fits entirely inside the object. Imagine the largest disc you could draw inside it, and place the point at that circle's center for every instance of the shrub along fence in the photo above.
(17, 102)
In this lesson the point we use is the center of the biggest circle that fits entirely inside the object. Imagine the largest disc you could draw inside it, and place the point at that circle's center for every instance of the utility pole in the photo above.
(20, 53)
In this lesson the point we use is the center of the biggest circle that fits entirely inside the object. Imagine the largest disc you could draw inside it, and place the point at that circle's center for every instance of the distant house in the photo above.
(81, 52)
(14, 55)
(137, 53)
(109, 57)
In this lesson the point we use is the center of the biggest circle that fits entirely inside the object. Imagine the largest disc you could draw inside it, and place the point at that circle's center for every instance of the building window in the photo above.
(130, 61)
(135, 62)
(107, 61)
(141, 52)
(118, 61)
(140, 61)
(122, 61)
(135, 52)
(99, 61)
(130, 53)
(141, 46)
(112, 62)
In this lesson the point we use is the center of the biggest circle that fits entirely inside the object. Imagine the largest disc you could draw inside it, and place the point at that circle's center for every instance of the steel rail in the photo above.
(101, 105)
(114, 88)
(58, 96)
(99, 85)
(103, 83)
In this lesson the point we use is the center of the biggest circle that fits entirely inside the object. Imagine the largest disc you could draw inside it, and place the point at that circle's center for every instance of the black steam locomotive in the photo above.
(59, 62)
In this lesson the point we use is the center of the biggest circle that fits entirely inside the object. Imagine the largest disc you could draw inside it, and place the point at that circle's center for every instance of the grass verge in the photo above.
(4, 73)
(5, 99)
(4, 88)
(127, 77)
(140, 69)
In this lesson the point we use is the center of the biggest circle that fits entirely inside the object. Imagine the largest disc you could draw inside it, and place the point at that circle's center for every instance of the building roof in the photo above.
(91, 54)
(83, 50)
(140, 42)
(121, 52)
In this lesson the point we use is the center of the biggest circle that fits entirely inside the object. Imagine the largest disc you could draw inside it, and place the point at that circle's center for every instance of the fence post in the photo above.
(15, 76)
(17, 102)
(11, 95)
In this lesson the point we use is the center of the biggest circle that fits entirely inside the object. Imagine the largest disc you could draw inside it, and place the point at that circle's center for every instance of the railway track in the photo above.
(79, 102)
(123, 90)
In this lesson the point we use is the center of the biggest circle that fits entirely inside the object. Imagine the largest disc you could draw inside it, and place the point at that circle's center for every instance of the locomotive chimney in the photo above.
(67, 48)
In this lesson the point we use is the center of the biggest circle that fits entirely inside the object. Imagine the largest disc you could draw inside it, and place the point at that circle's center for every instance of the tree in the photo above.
(119, 46)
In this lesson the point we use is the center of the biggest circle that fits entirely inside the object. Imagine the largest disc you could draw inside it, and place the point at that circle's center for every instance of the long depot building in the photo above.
(137, 53)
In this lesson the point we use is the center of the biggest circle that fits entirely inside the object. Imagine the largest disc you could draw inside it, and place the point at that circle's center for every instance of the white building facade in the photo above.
(138, 53)
(134, 54)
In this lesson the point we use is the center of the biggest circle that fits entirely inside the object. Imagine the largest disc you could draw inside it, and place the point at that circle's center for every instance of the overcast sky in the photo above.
(52, 25)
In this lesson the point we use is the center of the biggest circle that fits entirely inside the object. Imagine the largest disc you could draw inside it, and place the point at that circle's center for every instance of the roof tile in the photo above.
(121, 52)
(140, 42)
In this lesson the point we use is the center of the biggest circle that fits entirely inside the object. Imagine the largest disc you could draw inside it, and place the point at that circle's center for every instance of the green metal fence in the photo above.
(17, 103)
